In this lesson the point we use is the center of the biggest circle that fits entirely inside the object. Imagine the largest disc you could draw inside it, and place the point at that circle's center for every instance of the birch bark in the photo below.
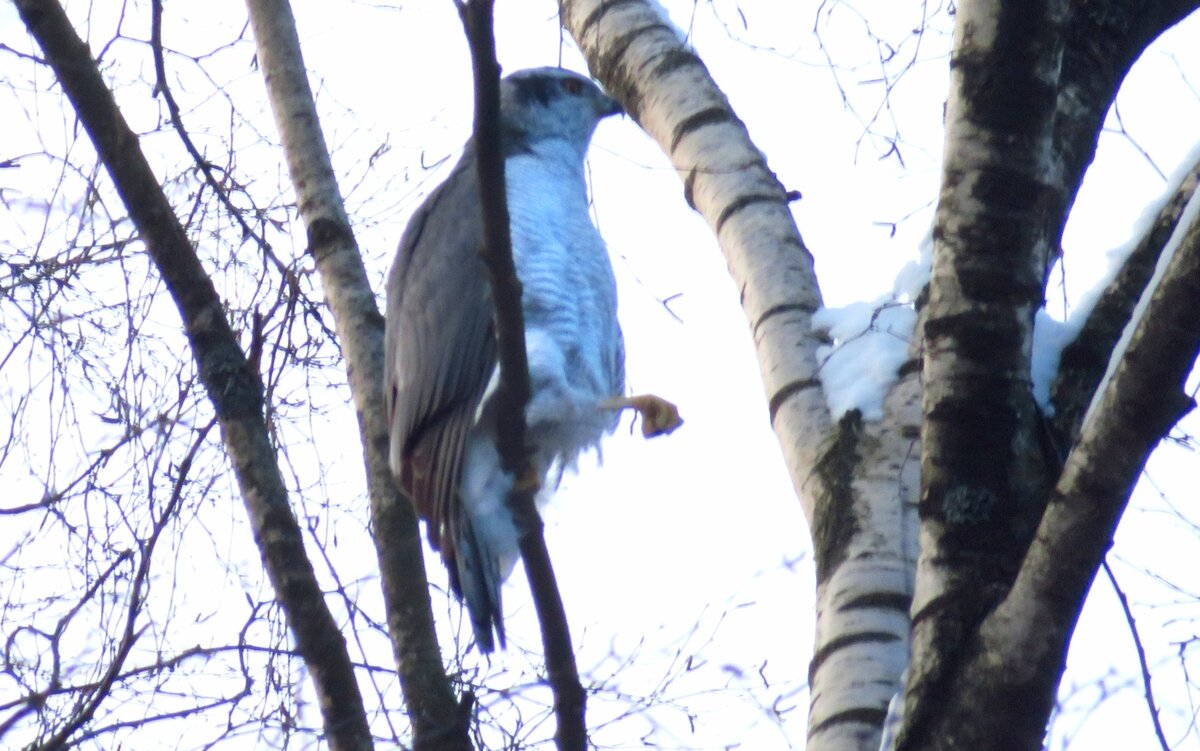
(856, 481)
(438, 721)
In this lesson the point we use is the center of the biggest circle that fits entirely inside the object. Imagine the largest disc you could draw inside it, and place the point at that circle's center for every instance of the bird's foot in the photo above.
(527, 480)
(659, 416)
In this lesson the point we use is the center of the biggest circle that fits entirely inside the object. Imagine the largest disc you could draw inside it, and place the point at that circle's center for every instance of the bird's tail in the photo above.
(477, 580)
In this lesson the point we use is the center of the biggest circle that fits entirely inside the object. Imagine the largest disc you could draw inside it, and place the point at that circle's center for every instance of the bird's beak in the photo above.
(610, 106)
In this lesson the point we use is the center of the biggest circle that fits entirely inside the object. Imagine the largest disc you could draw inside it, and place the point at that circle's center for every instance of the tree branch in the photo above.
(234, 389)
(513, 393)
(438, 720)
(1027, 636)
(1103, 40)
(1085, 360)
(856, 480)
(661, 83)
(1147, 680)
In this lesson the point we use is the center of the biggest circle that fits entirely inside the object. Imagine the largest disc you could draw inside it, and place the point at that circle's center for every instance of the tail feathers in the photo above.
(477, 578)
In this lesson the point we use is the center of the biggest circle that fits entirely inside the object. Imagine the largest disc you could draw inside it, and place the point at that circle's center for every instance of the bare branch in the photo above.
(133, 607)
(235, 390)
(1085, 360)
(512, 396)
(1147, 681)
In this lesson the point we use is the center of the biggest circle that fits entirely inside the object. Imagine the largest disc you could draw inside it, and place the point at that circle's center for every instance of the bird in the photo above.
(440, 348)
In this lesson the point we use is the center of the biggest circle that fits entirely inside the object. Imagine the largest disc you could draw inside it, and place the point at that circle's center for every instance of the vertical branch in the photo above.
(514, 390)
(438, 720)
(234, 388)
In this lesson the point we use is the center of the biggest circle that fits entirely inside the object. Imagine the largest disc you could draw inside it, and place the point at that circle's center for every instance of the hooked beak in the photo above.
(610, 106)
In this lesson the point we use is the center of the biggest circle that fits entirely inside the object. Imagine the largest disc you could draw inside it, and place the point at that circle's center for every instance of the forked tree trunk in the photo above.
(1022, 130)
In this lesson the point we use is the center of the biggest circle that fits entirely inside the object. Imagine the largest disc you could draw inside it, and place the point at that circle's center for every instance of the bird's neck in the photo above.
(557, 155)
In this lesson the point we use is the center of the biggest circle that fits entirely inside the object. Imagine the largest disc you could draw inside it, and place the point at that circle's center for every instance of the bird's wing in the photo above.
(440, 348)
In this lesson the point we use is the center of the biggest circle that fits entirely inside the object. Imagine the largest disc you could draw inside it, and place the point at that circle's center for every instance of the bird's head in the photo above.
(552, 103)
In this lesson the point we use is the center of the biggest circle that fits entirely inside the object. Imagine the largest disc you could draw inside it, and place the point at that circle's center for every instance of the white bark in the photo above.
(856, 483)
(863, 605)
(436, 717)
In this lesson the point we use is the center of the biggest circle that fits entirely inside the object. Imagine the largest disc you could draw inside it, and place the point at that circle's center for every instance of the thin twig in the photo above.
(1141, 654)
(141, 577)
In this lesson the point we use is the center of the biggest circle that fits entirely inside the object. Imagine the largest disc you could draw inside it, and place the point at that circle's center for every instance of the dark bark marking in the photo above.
(835, 521)
(674, 60)
(880, 600)
(698, 120)
(743, 202)
(872, 718)
(324, 234)
(793, 307)
(598, 14)
(787, 391)
(863, 637)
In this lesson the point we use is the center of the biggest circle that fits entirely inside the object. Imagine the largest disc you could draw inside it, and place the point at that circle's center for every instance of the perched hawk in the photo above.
(441, 351)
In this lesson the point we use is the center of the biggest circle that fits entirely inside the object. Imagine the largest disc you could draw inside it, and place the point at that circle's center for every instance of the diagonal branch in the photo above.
(855, 479)
(1029, 631)
(1104, 38)
(1147, 679)
(234, 388)
(661, 82)
(1085, 360)
(512, 396)
(439, 721)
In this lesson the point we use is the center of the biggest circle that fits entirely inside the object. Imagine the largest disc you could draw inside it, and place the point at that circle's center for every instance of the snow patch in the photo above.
(913, 277)
(870, 343)
(1051, 334)
(1189, 215)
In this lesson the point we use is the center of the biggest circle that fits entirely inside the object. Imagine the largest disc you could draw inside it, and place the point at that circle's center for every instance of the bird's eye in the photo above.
(572, 86)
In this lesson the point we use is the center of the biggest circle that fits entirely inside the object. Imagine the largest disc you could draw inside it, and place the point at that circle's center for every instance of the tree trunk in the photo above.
(988, 654)
(982, 465)
(856, 481)
(438, 720)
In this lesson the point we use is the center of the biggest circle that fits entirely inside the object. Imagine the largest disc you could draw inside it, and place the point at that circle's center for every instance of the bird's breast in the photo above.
(568, 295)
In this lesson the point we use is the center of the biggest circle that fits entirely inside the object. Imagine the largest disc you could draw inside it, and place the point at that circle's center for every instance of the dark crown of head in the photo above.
(539, 87)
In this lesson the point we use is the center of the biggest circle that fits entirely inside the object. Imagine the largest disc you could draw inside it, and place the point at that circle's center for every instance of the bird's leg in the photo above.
(528, 480)
(659, 416)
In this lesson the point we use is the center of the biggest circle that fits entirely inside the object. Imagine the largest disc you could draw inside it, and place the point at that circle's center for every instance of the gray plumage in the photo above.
(440, 346)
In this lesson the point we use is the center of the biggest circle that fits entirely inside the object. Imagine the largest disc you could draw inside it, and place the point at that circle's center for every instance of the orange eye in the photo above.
(572, 86)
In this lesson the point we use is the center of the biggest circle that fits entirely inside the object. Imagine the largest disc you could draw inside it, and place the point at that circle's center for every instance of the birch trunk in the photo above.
(983, 676)
(982, 471)
(437, 719)
(1021, 132)
(856, 481)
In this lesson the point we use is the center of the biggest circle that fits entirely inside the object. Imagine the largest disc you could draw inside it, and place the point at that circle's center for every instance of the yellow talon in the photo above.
(659, 416)
(527, 480)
